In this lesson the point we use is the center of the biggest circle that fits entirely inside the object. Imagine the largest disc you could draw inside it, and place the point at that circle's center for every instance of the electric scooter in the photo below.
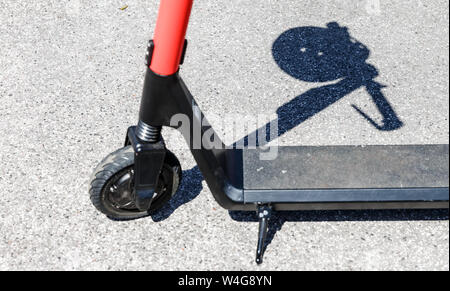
(138, 179)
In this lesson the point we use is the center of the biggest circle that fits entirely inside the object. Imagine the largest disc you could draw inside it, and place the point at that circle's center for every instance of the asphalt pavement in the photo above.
(71, 76)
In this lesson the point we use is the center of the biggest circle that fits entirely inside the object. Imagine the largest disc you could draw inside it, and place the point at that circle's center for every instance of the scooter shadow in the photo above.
(190, 188)
(316, 54)
(279, 218)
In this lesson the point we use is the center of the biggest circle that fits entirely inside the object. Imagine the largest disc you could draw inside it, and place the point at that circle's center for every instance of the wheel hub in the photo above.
(121, 194)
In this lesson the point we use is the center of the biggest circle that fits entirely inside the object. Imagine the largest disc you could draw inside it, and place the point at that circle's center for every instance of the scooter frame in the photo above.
(166, 95)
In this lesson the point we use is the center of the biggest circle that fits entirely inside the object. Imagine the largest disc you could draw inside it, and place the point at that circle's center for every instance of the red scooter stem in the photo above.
(170, 33)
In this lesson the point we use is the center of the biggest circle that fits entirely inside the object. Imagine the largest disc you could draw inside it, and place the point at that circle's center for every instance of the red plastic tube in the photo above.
(170, 33)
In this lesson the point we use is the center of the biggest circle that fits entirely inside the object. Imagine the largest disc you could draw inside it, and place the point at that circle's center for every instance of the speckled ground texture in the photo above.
(71, 75)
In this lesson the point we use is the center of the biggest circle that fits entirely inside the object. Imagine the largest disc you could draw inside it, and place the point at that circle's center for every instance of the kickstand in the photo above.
(264, 212)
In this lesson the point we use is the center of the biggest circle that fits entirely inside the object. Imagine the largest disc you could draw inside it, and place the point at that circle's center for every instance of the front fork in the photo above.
(165, 95)
(164, 55)
(148, 162)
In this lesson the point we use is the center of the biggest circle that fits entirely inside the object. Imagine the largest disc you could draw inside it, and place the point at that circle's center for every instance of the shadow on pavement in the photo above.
(279, 218)
(316, 54)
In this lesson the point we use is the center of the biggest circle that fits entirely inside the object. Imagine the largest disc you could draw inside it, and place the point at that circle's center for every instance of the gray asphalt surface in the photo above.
(71, 75)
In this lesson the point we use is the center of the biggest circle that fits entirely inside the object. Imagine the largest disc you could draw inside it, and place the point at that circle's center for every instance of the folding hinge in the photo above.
(151, 47)
(149, 54)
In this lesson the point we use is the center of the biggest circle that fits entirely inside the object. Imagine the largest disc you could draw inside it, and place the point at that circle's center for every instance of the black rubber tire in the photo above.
(116, 165)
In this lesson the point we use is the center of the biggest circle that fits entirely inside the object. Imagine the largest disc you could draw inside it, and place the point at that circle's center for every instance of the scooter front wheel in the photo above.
(112, 185)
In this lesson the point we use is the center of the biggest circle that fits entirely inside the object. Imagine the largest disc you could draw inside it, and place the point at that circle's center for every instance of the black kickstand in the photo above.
(264, 212)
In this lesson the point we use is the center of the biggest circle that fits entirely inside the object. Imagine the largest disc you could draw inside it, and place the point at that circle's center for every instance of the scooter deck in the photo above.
(328, 177)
